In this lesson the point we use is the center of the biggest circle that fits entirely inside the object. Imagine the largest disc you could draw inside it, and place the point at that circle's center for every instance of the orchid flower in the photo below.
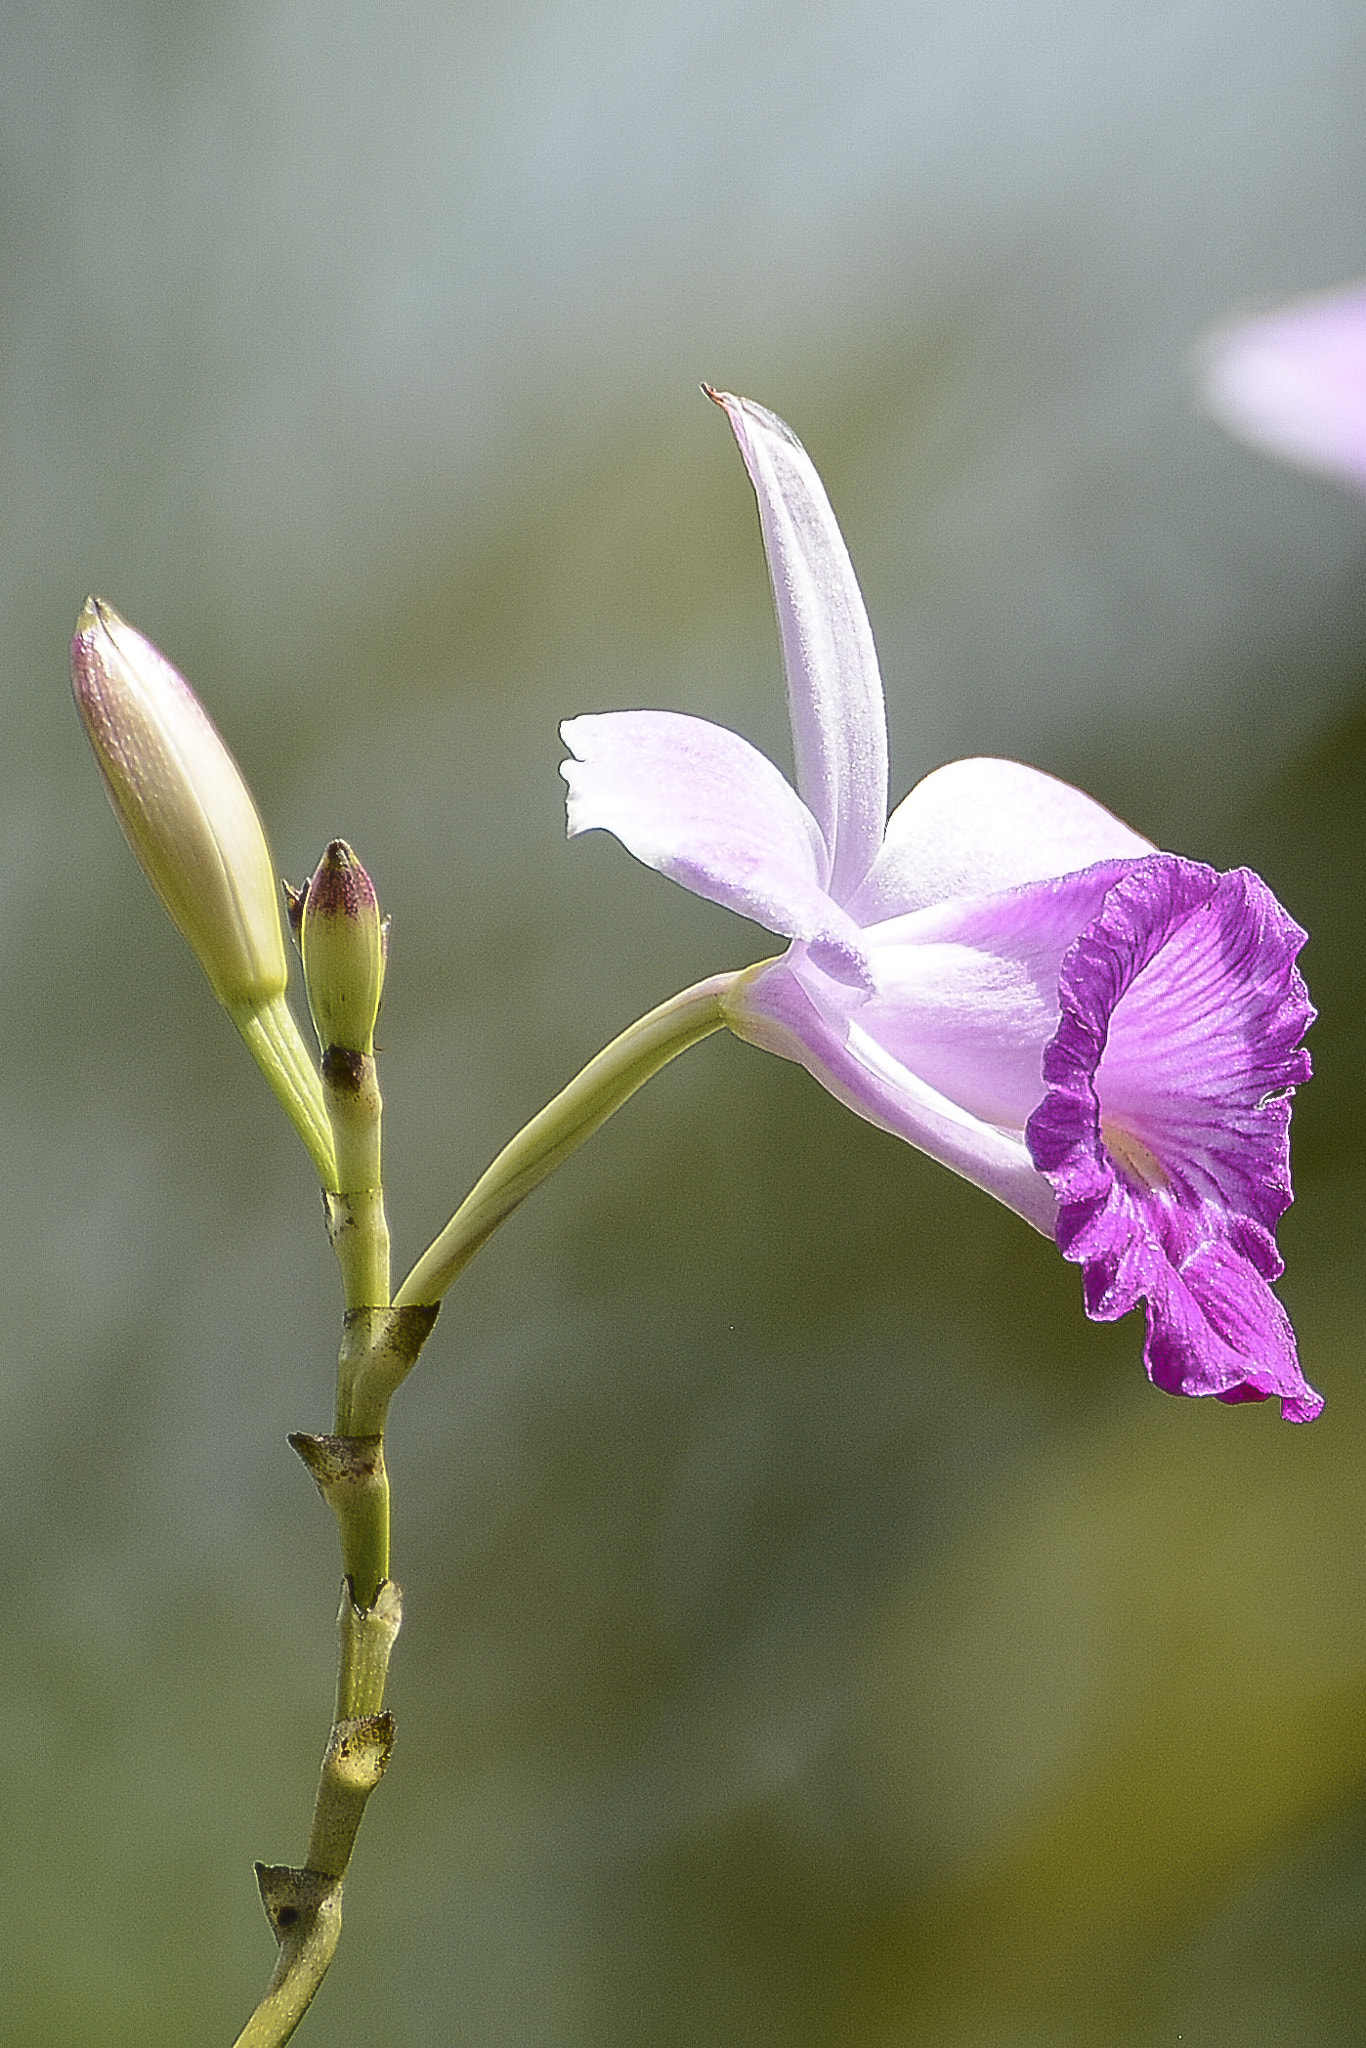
(1103, 1036)
(1294, 382)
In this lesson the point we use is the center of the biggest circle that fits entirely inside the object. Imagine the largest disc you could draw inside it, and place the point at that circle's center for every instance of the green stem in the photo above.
(276, 1044)
(379, 1348)
(357, 1752)
(304, 1911)
(349, 1474)
(358, 1232)
(366, 1636)
(356, 1222)
(339, 1119)
(561, 1127)
(379, 1345)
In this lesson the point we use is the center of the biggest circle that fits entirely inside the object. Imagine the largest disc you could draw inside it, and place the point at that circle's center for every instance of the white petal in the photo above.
(802, 1016)
(701, 805)
(975, 827)
(967, 991)
(834, 691)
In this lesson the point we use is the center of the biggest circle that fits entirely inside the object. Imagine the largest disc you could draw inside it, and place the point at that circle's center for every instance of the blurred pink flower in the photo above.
(1294, 381)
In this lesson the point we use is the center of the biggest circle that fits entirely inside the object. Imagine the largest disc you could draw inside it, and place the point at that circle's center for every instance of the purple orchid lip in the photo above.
(1102, 1036)
(1165, 1131)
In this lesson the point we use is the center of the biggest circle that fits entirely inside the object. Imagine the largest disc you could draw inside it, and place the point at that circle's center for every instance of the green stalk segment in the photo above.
(304, 1911)
(379, 1348)
(367, 1636)
(356, 1222)
(349, 1474)
(561, 1127)
(357, 1753)
(276, 1044)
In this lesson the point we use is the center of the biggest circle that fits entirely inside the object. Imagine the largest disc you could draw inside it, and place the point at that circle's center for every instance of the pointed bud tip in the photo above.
(97, 615)
(340, 886)
(341, 859)
(85, 662)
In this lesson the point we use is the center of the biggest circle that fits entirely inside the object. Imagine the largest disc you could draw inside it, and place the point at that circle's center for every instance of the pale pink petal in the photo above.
(975, 827)
(1294, 382)
(967, 991)
(704, 807)
(834, 691)
(791, 1009)
(948, 1050)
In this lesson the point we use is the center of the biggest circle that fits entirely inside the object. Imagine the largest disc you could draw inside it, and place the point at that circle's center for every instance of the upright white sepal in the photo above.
(834, 690)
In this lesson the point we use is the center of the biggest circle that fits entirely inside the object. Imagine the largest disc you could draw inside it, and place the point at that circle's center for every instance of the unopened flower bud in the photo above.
(183, 805)
(341, 937)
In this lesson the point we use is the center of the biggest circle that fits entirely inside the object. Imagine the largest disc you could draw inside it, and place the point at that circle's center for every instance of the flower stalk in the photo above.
(276, 1044)
(304, 1911)
(561, 1127)
(380, 1345)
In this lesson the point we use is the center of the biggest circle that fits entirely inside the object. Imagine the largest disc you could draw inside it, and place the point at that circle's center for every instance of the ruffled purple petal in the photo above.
(704, 807)
(1294, 382)
(973, 828)
(834, 690)
(1164, 1130)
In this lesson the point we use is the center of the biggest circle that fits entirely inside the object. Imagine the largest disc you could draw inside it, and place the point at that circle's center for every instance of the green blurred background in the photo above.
(818, 1634)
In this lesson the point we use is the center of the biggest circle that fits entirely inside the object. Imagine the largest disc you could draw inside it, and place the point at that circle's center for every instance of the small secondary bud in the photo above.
(183, 805)
(341, 937)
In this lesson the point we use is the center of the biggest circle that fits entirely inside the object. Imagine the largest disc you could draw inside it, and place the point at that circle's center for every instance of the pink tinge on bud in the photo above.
(339, 886)
(183, 805)
(342, 941)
